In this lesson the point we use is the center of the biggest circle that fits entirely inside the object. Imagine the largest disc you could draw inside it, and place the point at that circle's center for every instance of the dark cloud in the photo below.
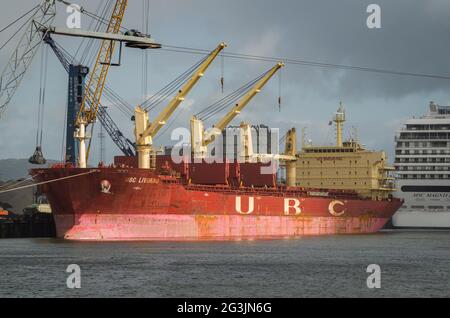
(413, 38)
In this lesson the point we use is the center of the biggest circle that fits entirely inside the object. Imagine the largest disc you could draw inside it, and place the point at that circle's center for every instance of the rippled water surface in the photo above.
(413, 263)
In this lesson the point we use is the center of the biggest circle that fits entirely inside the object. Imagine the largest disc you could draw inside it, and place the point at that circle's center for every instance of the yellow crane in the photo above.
(146, 130)
(289, 155)
(200, 139)
(94, 89)
(290, 152)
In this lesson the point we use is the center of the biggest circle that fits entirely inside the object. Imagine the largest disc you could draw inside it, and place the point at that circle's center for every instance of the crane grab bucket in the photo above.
(37, 158)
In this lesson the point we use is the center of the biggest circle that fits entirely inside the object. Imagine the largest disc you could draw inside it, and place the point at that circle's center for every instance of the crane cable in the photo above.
(228, 100)
(222, 72)
(145, 28)
(17, 31)
(114, 98)
(101, 19)
(178, 49)
(91, 23)
(18, 19)
(88, 55)
(283, 138)
(279, 89)
(14, 183)
(42, 87)
(170, 88)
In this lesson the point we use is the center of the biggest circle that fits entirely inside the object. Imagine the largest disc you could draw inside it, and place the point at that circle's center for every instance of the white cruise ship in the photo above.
(422, 163)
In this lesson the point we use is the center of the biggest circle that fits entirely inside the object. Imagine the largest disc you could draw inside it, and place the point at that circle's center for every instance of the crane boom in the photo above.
(24, 52)
(146, 130)
(236, 110)
(144, 42)
(200, 138)
(163, 116)
(94, 88)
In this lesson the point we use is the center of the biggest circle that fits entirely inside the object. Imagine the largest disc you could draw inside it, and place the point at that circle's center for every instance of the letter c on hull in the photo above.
(332, 210)
(251, 205)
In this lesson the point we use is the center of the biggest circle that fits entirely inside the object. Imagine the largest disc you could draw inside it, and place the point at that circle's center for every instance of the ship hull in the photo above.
(421, 219)
(115, 227)
(133, 204)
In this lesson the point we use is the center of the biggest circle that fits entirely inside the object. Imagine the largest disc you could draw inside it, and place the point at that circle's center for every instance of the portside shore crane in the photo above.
(77, 75)
(36, 32)
(94, 89)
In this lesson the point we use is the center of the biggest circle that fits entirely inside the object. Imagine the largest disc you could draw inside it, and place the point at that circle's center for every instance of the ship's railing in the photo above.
(280, 191)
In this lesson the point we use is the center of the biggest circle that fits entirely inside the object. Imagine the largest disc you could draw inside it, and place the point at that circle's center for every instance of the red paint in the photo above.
(140, 205)
(251, 175)
(209, 173)
(127, 161)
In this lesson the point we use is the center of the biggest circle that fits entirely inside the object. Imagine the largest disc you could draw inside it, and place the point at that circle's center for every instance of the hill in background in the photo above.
(13, 169)
(11, 172)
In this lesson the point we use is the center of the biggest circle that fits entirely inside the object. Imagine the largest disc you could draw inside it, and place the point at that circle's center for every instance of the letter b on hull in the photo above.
(292, 205)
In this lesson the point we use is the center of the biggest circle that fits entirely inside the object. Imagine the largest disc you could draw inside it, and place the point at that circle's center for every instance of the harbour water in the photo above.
(414, 263)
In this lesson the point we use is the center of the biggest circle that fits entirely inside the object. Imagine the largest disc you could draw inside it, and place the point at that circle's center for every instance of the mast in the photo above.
(339, 119)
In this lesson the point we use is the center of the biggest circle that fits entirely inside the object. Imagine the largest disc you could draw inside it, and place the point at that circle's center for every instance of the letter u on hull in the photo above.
(251, 205)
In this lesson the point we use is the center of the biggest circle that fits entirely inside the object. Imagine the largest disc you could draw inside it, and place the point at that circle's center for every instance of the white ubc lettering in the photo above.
(251, 205)
(295, 206)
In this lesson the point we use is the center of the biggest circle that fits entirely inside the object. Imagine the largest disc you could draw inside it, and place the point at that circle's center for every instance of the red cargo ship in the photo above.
(125, 203)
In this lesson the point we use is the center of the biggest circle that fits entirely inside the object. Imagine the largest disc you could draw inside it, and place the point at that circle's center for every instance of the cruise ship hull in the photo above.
(426, 204)
(134, 204)
(421, 219)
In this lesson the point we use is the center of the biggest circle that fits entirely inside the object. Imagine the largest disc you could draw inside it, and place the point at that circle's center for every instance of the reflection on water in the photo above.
(413, 263)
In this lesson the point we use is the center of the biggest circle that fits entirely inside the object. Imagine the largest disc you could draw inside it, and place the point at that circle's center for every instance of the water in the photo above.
(413, 263)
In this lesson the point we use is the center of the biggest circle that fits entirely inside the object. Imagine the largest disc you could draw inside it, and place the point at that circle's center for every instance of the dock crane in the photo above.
(77, 74)
(90, 107)
(37, 31)
(94, 89)
(146, 130)
(200, 139)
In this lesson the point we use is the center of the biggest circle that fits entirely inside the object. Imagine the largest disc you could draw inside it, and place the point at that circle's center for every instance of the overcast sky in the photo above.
(414, 38)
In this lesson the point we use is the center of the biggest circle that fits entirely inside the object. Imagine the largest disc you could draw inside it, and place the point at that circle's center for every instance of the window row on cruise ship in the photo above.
(428, 127)
(423, 176)
(424, 144)
(422, 160)
(423, 135)
(423, 168)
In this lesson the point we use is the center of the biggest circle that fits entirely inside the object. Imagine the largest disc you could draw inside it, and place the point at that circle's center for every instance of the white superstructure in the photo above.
(422, 162)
